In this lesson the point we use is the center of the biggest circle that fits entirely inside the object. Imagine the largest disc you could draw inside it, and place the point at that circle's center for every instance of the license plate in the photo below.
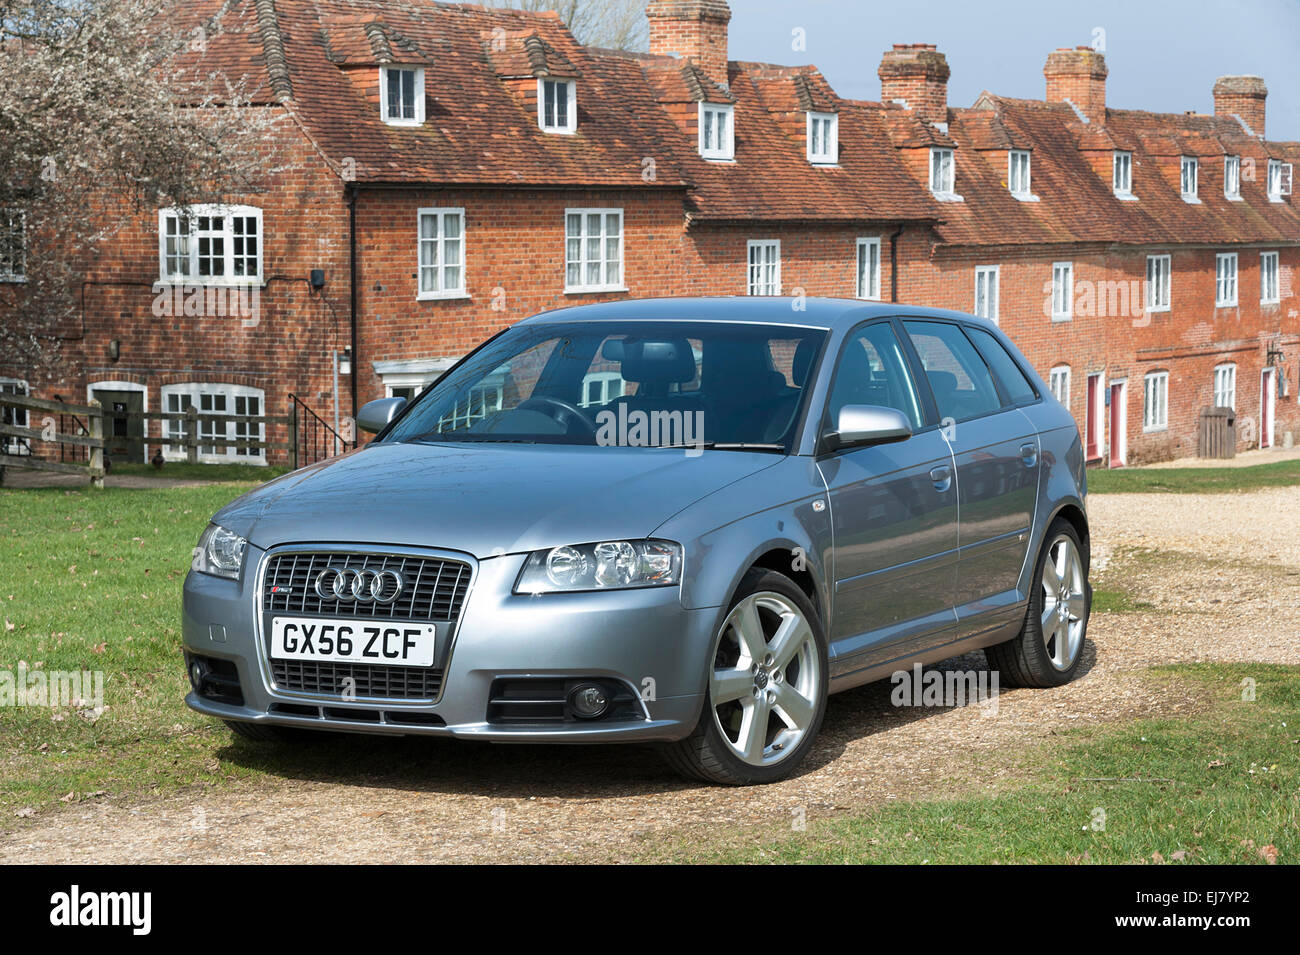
(388, 643)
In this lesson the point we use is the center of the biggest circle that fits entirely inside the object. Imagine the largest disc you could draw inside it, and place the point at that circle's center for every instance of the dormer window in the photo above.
(1122, 175)
(942, 174)
(717, 131)
(1018, 173)
(823, 139)
(1279, 180)
(1232, 178)
(1190, 178)
(401, 95)
(557, 105)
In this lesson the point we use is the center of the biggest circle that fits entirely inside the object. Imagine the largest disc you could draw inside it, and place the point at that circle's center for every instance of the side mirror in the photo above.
(375, 415)
(862, 425)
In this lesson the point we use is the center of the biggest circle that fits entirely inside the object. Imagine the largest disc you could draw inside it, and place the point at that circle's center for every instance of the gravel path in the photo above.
(1221, 571)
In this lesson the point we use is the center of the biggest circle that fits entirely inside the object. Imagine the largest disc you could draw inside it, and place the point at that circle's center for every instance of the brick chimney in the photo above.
(1242, 96)
(917, 74)
(695, 29)
(1078, 75)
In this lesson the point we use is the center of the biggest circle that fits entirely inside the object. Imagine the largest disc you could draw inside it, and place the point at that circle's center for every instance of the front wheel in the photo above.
(1049, 646)
(767, 687)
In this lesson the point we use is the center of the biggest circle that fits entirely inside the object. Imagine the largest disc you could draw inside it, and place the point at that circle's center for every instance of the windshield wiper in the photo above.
(737, 446)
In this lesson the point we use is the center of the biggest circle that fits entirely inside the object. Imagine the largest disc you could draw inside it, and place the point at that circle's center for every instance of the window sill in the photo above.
(442, 296)
(824, 163)
(1154, 429)
(947, 197)
(1157, 311)
(1191, 200)
(594, 290)
(1233, 198)
(1277, 199)
(558, 131)
(1270, 301)
(1226, 305)
(1024, 197)
(403, 122)
(188, 282)
(1063, 318)
(1126, 197)
(723, 160)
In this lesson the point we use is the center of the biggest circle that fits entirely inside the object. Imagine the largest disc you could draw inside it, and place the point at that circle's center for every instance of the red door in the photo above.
(1118, 425)
(1092, 422)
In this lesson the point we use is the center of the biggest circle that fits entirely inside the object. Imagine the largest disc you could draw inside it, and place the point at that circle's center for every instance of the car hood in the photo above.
(483, 499)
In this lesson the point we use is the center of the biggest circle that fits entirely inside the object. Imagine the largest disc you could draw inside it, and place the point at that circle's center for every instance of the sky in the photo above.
(1163, 56)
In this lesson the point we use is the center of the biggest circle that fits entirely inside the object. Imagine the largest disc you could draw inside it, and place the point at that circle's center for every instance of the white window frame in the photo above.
(716, 124)
(868, 269)
(1189, 175)
(763, 277)
(417, 107)
(609, 381)
(1155, 401)
(439, 244)
(1280, 179)
(1159, 283)
(1062, 291)
(19, 417)
(988, 297)
(1225, 280)
(829, 154)
(1121, 172)
(584, 259)
(1058, 382)
(227, 213)
(1270, 287)
(1020, 190)
(1232, 178)
(570, 125)
(943, 174)
(1225, 386)
(173, 430)
(13, 229)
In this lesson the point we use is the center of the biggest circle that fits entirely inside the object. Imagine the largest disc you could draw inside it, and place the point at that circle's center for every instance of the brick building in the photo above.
(446, 170)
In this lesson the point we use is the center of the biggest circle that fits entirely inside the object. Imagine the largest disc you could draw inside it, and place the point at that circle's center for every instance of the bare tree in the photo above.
(616, 24)
(104, 111)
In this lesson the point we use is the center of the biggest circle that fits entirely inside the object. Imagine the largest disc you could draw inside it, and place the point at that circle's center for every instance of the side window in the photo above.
(873, 371)
(962, 384)
(1013, 379)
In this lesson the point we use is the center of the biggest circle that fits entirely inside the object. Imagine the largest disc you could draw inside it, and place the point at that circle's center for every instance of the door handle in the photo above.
(1029, 454)
(942, 477)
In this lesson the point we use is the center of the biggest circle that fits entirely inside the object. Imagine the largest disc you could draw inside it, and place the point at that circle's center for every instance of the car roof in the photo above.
(831, 314)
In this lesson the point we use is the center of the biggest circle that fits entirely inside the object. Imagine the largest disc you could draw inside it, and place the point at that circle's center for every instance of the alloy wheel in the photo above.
(1064, 603)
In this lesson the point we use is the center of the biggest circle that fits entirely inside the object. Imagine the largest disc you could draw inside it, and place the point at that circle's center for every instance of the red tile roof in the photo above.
(481, 130)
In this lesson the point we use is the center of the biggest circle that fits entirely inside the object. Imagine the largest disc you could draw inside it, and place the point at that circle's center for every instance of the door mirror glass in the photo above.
(375, 415)
(861, 425)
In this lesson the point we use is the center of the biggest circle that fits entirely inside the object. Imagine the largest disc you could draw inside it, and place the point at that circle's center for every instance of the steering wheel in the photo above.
(564, 413)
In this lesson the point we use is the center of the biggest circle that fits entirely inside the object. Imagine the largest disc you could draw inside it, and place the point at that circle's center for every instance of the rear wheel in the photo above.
(265, 733)
(1050, 644)
(767, 687)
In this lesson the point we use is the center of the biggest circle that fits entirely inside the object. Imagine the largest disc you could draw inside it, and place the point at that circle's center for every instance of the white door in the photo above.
(1267, 406)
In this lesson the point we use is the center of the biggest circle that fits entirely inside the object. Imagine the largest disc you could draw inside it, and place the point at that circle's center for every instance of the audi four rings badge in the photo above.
(363, 586)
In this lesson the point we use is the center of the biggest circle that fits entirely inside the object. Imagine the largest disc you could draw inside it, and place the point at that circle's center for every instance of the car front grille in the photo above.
(367, 681)
(435, 590)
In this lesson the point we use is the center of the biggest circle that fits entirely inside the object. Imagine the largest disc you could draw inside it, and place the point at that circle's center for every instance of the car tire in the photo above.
(771, 696)
(1049, 646)
(264, 733)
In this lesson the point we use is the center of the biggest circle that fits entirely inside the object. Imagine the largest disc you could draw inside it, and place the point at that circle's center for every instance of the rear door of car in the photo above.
(977, 389)
(893, 512)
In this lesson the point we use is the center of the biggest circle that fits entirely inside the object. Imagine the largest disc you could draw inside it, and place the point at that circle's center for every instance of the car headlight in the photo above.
(220, 552)
(608, 565)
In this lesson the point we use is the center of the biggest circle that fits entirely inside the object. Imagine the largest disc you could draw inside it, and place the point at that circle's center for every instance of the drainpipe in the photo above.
(352, 287)
(893, 263)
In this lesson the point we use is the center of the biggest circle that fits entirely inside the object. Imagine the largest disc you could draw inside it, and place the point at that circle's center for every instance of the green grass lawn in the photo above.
(202, 472)
(1193, 480)
(1221, 787)
(91, 580)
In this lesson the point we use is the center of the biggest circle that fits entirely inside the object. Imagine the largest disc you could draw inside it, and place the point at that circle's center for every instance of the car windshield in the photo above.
(630, 384)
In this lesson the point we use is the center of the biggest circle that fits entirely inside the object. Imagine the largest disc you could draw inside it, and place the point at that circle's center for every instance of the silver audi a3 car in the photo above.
(680, 522)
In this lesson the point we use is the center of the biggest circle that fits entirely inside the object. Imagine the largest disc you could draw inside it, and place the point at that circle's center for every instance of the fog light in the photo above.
(588, 701)
(196, 674)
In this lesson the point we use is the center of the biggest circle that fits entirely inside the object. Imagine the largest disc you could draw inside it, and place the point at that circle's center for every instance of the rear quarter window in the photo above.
(1014, 381)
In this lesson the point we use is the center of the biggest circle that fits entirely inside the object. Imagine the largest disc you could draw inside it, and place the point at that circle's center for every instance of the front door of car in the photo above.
(893, 512)
(977, 387)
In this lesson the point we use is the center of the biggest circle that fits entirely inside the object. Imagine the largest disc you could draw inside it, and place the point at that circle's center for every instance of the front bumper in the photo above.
(643, 639)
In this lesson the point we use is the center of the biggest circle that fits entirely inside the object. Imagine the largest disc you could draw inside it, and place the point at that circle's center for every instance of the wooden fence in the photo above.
(94, 418)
